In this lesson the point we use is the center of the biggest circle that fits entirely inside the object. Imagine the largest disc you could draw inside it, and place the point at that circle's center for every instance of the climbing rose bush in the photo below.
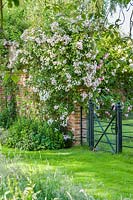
(67, 63)
(62, 65)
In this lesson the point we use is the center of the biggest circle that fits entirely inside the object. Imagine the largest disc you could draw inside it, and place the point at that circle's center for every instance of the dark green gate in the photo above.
(104, 129)
(127, 132)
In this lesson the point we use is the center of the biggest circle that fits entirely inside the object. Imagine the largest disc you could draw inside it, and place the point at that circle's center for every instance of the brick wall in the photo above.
(2, 99)
(25, 102)
(74, 126)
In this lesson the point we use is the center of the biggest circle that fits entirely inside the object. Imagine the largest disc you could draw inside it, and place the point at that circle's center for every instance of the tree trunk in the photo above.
(1, 16)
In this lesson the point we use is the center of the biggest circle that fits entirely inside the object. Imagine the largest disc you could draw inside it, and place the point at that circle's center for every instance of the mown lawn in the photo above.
(103, 175)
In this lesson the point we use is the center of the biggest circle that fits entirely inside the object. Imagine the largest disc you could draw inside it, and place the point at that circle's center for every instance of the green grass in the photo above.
(103, 175)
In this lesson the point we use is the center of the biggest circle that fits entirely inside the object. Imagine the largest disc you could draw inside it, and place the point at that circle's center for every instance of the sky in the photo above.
(125, 27)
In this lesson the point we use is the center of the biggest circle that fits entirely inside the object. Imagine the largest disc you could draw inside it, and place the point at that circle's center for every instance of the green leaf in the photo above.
(15, 78)
(6, 77)
(10, 3)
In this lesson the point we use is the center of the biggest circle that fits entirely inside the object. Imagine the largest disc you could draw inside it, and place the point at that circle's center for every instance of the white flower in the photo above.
(124, 70)
(26, 35)
(107, 89)
(66, 39)
(87, 23)
(44, 95)
(79, 17)
(130, 60)
(87, 81)
(126, 115)
(88, 55)
(50, 121)
(113, 73)
(62, 117)
(123, 59)
(35, 89)
(24, 70)
(56, 107)
(9, 66)
(79, 45)
(67, 137)
(53, 81)
(77, 71)
(119, 51)
(38, 41)
(64, 124)
(106, 56)
(64, 62)
(84, 95)
(68, 76)
(54, 26)
(107, 113)
(129, 108)
(131, 65)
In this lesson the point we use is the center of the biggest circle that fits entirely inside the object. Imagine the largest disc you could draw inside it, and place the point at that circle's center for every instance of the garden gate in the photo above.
(106, 130)
(127, 133)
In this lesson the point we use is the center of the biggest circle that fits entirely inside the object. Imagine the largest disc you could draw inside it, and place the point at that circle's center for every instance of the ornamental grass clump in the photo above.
(32, 183)
(14, 184)
(59, 186)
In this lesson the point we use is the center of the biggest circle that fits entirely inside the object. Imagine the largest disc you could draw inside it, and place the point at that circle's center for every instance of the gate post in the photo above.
(118, 128)
(91, 125)
(81, 125)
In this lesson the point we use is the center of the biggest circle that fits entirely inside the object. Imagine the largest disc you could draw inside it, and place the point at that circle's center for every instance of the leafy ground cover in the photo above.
(102, 175)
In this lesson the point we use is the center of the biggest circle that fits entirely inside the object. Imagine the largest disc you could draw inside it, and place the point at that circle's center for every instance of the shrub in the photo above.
(28, 134)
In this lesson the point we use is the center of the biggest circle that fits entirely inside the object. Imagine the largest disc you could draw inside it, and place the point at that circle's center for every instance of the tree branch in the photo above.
(131, 24)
